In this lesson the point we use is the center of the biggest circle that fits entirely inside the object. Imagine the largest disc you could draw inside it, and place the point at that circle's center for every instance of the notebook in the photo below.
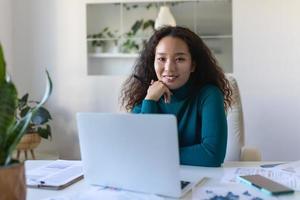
(135, 152)
(55, 175)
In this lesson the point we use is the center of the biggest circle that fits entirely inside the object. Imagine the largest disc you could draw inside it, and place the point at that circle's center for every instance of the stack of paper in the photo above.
(286, 174)
(55, 175)
(96, 193)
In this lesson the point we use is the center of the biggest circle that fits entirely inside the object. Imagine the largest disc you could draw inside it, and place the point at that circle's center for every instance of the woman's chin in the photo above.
(172, 86)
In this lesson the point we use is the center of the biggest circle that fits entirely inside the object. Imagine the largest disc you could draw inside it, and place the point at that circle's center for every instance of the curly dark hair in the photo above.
(207, 70)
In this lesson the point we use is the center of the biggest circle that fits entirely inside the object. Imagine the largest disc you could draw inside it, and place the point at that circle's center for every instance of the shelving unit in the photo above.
(211, 20)
(113, 55)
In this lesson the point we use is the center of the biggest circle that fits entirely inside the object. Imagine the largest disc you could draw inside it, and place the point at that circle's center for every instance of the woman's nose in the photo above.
(169, 65)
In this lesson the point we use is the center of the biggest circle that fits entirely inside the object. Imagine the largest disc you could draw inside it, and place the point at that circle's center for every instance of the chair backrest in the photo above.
(235, 121)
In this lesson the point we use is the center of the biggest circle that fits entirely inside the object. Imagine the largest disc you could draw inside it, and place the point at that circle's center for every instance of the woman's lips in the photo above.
(169, 78)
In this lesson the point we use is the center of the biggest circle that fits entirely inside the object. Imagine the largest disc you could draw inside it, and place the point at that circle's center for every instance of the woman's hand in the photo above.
(156, 90)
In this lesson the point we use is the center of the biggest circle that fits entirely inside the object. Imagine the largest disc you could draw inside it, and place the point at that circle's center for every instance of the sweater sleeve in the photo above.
(147, 106)
(211, 148)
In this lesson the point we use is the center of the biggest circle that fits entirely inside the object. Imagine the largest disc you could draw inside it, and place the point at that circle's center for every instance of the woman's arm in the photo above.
(147, 106)
(211, 149)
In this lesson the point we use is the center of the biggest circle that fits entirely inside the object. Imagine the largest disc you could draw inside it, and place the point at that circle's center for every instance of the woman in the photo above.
(176, 73)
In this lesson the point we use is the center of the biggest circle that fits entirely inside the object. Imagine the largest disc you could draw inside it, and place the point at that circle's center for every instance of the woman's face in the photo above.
(173, 63)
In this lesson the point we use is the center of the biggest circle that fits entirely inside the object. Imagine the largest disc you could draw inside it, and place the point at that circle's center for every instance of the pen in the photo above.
(141, 80)
(270, 165)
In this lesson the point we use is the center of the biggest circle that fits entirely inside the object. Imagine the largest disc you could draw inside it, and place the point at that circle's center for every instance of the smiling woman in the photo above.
(185, 80)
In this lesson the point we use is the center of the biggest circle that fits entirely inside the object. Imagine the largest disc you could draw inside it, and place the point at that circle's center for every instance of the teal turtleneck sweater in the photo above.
(202, 125)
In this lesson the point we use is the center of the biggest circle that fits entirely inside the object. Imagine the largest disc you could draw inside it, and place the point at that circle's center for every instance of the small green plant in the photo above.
(39, 122)
(98, 39)
(130, 44)
(11, 128)
(141, 25)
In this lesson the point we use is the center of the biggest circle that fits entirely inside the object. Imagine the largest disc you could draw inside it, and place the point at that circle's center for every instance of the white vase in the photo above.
(98, 49)
(111, 47)
(164, 18)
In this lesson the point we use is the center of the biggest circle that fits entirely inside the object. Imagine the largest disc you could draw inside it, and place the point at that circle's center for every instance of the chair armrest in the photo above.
(250, 154)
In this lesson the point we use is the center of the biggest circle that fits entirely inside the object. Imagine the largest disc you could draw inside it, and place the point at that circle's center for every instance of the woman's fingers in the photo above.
(167, 96)
(158, 89)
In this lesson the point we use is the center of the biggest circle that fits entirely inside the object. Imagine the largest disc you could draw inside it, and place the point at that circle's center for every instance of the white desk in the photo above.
(188, 173)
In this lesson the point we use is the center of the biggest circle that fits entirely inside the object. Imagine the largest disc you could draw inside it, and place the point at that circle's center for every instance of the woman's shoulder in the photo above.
(208, 90)
(209, 95)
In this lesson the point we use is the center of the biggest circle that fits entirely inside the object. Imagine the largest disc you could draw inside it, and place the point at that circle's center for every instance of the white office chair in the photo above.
(236, 150)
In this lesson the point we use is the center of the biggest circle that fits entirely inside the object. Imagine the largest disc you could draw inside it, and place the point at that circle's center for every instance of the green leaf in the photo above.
(24, 111)
(49, 131)
(136, 26)
(149, 23)
(44, 132)
(8, 103)
(105, 29)
(41, 116)
(23, 101)
(2, 66)
(15, 134)
(47, 93)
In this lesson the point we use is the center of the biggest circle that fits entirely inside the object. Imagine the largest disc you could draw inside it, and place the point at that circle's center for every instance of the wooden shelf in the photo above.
(216, 36)
(113, 55)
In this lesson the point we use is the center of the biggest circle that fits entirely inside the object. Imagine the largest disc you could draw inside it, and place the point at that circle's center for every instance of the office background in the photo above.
(266, 47)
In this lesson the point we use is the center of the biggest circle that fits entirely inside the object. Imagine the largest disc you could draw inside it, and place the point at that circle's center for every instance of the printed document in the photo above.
(279, 176)
(230, 193)
(291, 167)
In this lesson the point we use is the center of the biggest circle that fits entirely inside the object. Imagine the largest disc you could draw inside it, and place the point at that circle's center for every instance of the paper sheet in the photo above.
(291, 167)
(229, 193)
(282, 177)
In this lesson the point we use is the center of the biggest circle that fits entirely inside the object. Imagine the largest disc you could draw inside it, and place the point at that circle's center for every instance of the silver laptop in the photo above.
(132, 151)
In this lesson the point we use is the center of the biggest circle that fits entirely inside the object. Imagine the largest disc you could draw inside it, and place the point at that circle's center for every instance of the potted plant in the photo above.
(97, 41)
(12, 177)
(106, 40)
(38, 126)
(111, 42)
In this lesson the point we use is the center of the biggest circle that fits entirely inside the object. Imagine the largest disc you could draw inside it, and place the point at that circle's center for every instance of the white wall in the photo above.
(266, 46)
(6, 31)
(51, 34)
(266, 64)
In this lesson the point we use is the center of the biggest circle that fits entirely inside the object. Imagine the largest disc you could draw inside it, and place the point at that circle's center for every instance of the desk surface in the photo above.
(190, 173)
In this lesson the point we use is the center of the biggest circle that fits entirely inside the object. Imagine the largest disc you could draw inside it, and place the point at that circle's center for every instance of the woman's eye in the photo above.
(180, 59)
(161, 59)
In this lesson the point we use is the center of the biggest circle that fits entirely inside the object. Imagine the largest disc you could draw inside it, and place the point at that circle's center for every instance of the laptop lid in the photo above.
(131, 151)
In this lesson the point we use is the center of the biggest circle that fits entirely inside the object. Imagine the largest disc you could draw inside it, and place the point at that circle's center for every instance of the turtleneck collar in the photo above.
(182, 92)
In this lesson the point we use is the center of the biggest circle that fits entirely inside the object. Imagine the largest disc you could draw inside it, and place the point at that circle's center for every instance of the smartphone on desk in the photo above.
(266, 185)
